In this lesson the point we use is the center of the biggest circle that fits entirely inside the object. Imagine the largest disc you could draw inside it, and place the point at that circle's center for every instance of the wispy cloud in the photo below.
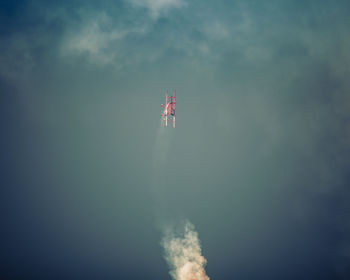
(100, 39)
(157, 8)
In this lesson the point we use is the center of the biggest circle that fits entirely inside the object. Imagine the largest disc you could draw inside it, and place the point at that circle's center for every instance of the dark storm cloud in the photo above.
(261, 149)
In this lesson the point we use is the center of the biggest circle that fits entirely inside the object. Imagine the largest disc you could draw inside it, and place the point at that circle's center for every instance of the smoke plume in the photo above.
(180, 240)
(183, 254)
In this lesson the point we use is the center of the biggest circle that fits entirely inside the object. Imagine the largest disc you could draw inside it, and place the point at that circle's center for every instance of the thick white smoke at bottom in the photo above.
(183, 254)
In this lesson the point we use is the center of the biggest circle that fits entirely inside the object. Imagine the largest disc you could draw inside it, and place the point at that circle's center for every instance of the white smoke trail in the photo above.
(161, 174)
(182, 248)
(161, 149)
(184, 255)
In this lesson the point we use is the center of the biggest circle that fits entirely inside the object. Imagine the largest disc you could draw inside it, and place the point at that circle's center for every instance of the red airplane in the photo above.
(169, 108)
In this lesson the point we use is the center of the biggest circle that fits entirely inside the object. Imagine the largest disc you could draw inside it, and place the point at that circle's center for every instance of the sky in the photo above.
(259, 161)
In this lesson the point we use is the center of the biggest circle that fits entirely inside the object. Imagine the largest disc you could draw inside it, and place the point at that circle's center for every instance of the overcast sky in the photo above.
(259, 160)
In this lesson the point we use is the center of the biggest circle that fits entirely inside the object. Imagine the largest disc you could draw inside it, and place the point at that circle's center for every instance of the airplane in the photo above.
(169, 109)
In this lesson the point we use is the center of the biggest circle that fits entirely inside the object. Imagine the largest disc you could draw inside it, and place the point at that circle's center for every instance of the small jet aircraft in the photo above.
(169, 109)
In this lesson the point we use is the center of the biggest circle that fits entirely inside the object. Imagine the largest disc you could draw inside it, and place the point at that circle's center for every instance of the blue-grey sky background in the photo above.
(259, 160)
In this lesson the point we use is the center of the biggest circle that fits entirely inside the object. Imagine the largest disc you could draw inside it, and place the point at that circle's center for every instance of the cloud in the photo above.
(157, 8)
(217, 30)
(93, 40)
(100, 39)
